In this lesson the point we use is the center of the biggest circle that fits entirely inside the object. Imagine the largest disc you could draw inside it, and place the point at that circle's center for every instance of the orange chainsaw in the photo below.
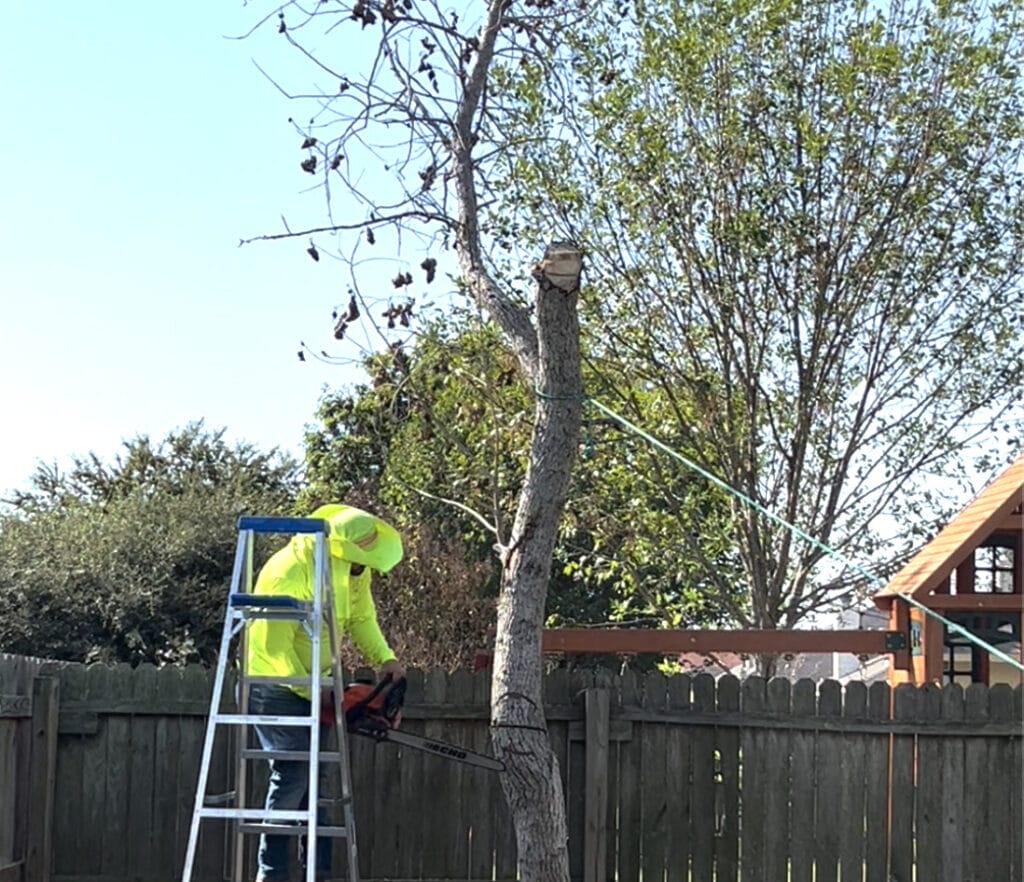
(375, 711)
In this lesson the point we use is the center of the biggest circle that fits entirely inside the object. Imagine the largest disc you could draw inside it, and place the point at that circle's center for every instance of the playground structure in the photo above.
(962, 590)
(969, 574)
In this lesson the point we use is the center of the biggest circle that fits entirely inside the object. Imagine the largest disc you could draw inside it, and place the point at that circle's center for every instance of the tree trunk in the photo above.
(532, 782)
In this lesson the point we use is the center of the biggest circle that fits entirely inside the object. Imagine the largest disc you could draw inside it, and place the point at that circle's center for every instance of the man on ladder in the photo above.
(358, 544)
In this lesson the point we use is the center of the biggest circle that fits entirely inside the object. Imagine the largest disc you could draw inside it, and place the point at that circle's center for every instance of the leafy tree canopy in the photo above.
(131, 560)
(440, 437)
(805, 229)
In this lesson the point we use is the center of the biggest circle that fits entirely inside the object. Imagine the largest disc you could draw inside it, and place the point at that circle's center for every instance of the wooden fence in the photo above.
(680, 778)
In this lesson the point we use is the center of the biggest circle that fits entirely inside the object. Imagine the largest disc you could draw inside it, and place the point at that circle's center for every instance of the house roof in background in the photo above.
(718, 662)
(984, 514)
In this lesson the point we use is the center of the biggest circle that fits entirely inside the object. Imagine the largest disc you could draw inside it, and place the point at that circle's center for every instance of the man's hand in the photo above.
(393, 667)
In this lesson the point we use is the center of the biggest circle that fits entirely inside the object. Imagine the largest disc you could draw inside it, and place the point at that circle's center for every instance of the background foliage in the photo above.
(131, 561)
(804, 227)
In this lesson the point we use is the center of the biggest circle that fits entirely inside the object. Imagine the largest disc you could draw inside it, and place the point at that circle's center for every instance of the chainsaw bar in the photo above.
(431, 745)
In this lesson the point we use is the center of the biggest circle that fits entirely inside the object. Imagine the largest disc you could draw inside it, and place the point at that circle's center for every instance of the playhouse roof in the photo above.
(998, 506)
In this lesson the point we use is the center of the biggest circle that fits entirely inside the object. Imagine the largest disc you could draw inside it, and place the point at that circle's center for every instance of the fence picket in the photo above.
(68, 786)
(702, 798)
(876, 791)
(775, 746)
(654, 807)
(677, 776)
(928, 806)
(753, 766)
(629, 796)
(906, 705)
(851, 798)
(410, 764)
(483, 790)
(606, 681)
(828, 758)
(437, 829)
(141, 738)
(460, 694)
(12, 788)
(1004, 785)
(802, 772)
(1015, 749)
(167, 750)
(953, 832)
(727, 802)
(1016, 813)
(574, 772)
(118, 775)
(89, 859)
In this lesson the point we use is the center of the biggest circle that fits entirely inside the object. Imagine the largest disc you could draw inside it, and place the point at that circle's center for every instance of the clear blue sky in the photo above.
(139, 146)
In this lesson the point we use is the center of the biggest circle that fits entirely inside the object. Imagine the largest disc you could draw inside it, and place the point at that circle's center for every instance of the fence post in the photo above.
(43, 765)
(595, 832)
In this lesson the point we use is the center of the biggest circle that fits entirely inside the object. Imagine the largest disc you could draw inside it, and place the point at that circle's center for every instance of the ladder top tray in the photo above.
(268, 601)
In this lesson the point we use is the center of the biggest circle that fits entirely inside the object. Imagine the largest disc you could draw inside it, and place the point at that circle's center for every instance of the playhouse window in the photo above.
(994, 566)
(961, 665)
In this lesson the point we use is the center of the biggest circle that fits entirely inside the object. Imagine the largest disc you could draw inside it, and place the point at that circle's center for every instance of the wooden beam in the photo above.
(45, 714)
(974, 603)
(899, 618)
(669, 642)
(11, 872)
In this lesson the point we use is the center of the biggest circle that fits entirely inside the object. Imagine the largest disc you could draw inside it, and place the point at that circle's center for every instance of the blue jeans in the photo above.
(289, 779)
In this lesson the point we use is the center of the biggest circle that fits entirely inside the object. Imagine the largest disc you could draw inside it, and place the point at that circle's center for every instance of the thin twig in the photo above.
(335, 228)
(489, 527)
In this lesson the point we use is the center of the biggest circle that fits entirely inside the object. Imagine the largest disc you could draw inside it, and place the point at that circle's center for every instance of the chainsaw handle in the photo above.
(358, 711)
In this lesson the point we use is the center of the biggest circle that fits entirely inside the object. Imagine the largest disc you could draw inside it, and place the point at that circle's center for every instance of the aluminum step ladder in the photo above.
(244, 607)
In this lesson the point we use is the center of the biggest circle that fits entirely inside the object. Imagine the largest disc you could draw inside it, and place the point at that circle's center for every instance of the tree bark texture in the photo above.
(532, 782)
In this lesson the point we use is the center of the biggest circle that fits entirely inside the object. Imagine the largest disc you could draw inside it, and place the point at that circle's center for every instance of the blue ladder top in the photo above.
(267, 601)
(283, 525)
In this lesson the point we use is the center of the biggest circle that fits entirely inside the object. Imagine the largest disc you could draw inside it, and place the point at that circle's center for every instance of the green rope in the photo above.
(796, 531)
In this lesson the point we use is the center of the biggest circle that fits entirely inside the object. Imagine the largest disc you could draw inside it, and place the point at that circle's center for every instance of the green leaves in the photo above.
(131, 560)
(803, 219)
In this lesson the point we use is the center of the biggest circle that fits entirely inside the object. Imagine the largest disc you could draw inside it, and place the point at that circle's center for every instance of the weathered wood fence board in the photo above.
(679, 779)
(876, 791)
(29, 705)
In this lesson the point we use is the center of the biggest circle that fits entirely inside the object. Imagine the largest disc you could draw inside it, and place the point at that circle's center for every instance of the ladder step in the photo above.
(292, 830)
(331, 801)
(326, 756)
(269, 606)
(246, 615)
(263, 720)
(255, 814)
(212, 800)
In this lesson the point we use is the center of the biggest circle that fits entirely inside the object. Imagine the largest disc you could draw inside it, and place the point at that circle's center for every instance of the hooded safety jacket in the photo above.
(281, 647)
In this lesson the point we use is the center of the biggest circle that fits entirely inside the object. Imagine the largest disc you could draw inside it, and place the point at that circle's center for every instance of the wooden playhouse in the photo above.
(970, 574)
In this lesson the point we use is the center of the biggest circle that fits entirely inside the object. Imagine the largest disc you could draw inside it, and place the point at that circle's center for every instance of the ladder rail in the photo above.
(344, 766)
(211, 729)
(236, 854)
(313, 766)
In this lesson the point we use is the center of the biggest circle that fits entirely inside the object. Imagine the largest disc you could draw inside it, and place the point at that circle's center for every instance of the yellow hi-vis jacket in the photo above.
(281, 647)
